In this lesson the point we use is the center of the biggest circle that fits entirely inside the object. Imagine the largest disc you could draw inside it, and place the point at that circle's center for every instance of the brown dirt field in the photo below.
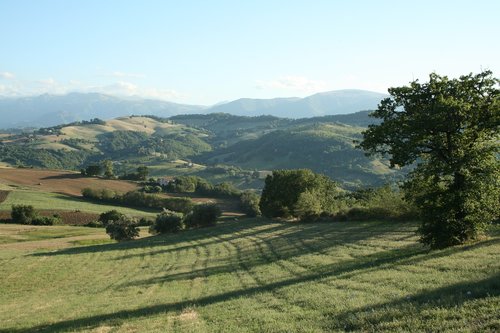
(58, 181)
(68, 217)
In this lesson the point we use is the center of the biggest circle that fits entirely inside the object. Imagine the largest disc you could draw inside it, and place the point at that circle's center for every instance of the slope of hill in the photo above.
(72, 146)
(326, 148)
(49, 110)
(322, 144)
(325, 277)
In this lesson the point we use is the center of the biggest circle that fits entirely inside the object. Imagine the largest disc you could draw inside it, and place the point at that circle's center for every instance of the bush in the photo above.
(204, 215)
(23, 214)
(46, 220)
(95, 224)
(145, 222)
(110, 216)
(123, 229)
(167, 222)
(249, 203)
(183, 205)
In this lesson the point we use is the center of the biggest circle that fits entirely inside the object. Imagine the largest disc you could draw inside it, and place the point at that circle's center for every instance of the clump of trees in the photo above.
(141, 173)
(122, 229)
(448, 129)
(167, 222)
(26, 214)
(298, 193)
(198, 185)
(91, 170)
(203, 215)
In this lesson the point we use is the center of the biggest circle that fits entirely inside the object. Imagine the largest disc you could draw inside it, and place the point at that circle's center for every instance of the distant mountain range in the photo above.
(48, 110)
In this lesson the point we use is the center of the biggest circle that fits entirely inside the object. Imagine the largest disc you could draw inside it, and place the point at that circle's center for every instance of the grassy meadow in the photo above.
(55, 201)
(249, 275)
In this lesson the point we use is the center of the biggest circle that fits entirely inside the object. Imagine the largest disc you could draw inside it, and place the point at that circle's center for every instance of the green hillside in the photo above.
(217, 143)
(247, 276)
(326, 148)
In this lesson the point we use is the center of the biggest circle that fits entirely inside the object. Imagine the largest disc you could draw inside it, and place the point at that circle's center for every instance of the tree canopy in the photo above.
(448, 129)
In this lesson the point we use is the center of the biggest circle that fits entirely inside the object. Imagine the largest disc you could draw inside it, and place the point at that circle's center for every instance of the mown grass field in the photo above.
(252, 275)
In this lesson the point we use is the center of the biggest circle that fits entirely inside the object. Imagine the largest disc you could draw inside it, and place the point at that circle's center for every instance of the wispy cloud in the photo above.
(7, 75)
(16, 88)
(295, 83)
(123, 88)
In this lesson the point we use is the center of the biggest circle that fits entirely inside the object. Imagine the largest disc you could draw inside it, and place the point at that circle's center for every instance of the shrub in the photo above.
(110, 216)
(95, 224)
(123, 229)
(23, 214)
(46, 220)
(249, 203)
(204, 215)
(145, 222)
(167, 222)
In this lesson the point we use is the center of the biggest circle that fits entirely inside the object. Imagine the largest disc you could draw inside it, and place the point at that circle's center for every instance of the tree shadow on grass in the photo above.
(376, 317)
(168, 240)
(65, 176)
(408, 255)
(478, 289)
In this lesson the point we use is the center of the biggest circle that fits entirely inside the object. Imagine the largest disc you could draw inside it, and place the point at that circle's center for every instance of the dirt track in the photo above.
(57, 181)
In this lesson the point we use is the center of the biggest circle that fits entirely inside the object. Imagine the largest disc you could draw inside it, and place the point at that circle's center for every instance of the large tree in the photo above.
(448, 129)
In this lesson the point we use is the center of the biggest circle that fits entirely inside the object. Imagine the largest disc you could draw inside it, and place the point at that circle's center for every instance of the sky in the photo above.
(205, 52)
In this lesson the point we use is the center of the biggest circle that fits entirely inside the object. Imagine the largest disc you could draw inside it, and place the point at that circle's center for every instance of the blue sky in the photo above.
(204, 52)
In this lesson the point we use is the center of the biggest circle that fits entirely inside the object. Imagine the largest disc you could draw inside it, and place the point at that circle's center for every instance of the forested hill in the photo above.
(236, 146)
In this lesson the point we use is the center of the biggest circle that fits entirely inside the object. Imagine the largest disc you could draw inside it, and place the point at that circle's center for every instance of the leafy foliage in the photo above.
(23, 214)
(450, 127)
(123, 229)
(110, 216)
(288, 193)
(26, 214)
(249, 203)
(167, 222)
(139, 199)
(203, 215)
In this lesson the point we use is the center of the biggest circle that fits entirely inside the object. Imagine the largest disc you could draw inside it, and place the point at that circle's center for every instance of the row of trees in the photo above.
(106, 169)
(138, 199)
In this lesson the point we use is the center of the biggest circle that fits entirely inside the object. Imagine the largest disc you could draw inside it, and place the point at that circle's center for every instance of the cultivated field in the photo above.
(58, 181)
(252, 275)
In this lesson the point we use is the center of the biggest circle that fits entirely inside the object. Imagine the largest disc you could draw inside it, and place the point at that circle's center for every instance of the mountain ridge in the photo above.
(49, 110)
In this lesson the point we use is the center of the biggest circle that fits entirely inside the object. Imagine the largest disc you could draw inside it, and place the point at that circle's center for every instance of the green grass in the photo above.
(55, 201)
(255, 275)
(10, 233)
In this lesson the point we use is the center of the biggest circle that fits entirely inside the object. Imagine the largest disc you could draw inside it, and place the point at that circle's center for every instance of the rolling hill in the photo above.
(224, 147)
